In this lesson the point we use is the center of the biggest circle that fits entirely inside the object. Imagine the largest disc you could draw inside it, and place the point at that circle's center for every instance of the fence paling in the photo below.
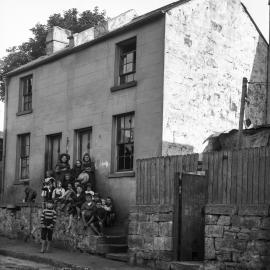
(234, 177)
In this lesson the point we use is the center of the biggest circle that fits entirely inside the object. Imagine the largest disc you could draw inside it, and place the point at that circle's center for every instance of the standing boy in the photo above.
(48, 219)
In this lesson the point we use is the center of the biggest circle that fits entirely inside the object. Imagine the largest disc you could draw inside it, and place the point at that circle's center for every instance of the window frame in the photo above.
(115, 147)
(120, 53)
(22, 108)
(19, 157)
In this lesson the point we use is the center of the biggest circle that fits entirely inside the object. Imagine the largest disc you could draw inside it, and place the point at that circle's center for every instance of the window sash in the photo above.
(24, 154)
(125, 144)
(26, 93)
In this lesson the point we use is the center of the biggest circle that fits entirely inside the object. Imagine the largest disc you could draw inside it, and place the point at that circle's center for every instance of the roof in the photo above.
(136, 22)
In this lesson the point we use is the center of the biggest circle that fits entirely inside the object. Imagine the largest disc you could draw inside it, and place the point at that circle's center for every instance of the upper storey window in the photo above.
(25, 95)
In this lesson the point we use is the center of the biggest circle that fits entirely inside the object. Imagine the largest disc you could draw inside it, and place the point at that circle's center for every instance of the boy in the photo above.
(88, 209)
(98, 219)
(48, 219)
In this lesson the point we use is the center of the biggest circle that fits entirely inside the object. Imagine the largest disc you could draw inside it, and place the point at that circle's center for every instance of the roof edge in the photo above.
(254, 23)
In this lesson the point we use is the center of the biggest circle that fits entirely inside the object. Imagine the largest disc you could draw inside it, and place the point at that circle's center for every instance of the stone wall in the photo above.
(237, 237)
(150, 240)
(16, 224)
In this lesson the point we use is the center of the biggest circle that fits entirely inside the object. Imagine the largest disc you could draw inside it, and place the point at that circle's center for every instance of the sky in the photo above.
(18, 16)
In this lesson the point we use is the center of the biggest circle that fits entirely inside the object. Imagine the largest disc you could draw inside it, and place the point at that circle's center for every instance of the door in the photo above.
(193, 200)
(52, 150)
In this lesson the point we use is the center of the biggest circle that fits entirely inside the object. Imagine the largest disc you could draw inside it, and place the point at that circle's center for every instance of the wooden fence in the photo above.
(234, 177)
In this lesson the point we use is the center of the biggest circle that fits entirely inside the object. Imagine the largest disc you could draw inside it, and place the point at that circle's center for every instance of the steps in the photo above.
(114, 244)
(186, 266)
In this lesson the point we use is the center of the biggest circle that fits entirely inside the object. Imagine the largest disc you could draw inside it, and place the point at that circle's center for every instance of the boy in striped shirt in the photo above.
(48, 219)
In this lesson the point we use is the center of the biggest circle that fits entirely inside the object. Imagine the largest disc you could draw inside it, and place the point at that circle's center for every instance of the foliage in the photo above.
(36, 46)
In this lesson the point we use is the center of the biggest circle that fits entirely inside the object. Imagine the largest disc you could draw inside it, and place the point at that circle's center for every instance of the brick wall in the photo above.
(237, 237)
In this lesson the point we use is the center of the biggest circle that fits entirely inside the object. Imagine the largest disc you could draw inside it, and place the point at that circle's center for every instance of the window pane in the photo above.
(127, 163)
(121, 163)
(121, 150)
(127, 136)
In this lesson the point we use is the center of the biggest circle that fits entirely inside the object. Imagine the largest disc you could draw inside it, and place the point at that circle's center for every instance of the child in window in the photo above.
(98, 219)
(48, 219)
(87, 209)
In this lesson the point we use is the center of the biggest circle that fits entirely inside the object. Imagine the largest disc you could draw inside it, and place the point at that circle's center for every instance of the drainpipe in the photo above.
(6, 81)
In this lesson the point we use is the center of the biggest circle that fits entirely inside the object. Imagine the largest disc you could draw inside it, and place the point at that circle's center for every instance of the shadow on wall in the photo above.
(172, 149)
(255, 109)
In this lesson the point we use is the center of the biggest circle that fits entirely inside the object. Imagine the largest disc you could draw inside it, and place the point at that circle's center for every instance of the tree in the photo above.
(36, 46)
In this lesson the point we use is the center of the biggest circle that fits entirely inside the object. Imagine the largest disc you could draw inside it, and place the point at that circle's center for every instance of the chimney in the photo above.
(57, 39)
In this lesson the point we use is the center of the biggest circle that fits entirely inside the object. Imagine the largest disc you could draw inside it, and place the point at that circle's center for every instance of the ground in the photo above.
(16, 254)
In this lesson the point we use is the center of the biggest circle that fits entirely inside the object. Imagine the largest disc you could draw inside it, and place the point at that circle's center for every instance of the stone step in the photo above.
(111, 248)
(186, 266)
(121, 257)
(115, 239)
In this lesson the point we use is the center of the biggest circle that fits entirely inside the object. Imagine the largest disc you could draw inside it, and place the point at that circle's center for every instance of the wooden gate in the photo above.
(193, 197)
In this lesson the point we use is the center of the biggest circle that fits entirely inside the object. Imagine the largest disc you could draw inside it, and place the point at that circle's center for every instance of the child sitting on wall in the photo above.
(66, 180)
(87, 209)
(58, 192)
(48, 219)
(77, 169)
(30, 193)
(110, 213)
(68, 198)
(97, 220)
(87, 167)
(47, 189)
(89, 190)
(63, 164)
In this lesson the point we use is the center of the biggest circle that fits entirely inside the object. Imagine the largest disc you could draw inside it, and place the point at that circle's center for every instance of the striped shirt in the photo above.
(48, 218)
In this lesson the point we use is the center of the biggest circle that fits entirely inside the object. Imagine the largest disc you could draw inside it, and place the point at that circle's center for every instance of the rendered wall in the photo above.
(209, 47)
(73, 93)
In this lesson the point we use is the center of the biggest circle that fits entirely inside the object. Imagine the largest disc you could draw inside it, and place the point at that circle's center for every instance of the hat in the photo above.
(49, 180)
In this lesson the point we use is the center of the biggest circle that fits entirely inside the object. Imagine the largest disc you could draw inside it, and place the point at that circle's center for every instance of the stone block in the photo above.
(148, 243)
(133, 227)
(247, 222)
(220, 209)
(243, 236)
(224, 256)
(135, 241)
(163, 243)
(165, 228)
(142, 217)
(148, 228)
(230, 244)
(229, 235)
(224, 220)
(254, 210)
(164, 255)
(133, 216)
(265, 224)
(162, 217)
(234, 229)
(213, 231)
(211, 219)
(209, 248)
(260, 235)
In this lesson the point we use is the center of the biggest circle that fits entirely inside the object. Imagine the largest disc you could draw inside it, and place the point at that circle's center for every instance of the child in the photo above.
(83, 178)
(30, 194)
(68, 198)
(58, 192)
(66, 180)
(48, 219)
(87, 209)
(77, 169)
(89, 190)
(98, 219)
(63, 165)
(87, 167)
(77, 202)
(110, 213)
(47, 189)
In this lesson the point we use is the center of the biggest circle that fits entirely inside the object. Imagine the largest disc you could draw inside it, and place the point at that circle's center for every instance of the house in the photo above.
(134, 87)
(1, 159)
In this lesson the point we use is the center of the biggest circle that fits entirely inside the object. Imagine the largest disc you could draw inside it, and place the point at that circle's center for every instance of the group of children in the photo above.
(73, 192)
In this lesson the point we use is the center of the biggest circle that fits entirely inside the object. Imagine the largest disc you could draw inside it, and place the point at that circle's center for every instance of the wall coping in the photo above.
(241, 210)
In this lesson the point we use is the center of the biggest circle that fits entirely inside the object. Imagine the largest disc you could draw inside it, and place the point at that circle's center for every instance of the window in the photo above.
(83, 142)
(23, 156)
(1, 149)
(25, 101)
(124, 142)
(53, 147)
(127, 61)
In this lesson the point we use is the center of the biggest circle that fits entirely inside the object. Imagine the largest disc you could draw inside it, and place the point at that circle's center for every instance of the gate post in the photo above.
(177, 215)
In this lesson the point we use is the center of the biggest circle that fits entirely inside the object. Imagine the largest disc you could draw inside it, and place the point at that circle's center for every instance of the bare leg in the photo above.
(83, 219)
(43, 243)
(48, 246)
(70, 222)
(95, 230)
